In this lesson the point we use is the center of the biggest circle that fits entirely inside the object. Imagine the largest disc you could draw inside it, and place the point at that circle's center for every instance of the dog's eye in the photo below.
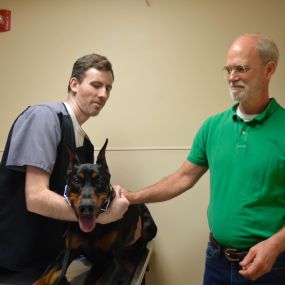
(75, 185)
(75, 180)
(100, 182)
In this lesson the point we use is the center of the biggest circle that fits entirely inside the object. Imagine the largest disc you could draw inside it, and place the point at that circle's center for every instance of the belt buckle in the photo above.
(231, 254)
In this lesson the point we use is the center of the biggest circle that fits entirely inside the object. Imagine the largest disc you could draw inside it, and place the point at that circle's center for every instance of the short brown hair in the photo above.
(86, 62)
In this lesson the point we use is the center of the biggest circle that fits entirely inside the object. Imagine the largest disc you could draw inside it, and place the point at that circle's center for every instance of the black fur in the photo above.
(106, 246)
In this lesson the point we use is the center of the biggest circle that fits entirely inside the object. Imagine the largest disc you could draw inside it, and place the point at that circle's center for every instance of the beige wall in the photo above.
(167, 59)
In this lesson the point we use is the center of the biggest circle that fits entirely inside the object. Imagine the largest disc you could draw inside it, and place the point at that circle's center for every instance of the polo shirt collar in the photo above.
(269, 110)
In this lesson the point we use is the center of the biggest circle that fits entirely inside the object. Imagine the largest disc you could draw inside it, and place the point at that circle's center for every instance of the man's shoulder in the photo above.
(42, 112)
(220, 117)
(45, 115)
(53, 107)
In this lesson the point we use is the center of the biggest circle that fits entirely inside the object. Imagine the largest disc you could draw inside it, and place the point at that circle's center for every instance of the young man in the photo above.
(244, 149)
(33, 169)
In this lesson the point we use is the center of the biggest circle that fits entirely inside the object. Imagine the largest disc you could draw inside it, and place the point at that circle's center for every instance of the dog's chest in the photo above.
(102, 239)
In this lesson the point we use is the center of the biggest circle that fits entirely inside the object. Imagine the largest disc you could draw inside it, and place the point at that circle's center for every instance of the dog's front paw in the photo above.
(51, 278)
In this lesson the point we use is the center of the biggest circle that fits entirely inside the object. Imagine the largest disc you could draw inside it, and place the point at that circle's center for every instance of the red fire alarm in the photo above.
(5, 20)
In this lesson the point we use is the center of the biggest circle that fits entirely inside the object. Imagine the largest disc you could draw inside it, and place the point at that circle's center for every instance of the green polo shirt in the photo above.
(247, 174)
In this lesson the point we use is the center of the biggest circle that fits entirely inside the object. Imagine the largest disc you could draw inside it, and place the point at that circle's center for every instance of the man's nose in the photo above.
(233, 75)
(103, 92)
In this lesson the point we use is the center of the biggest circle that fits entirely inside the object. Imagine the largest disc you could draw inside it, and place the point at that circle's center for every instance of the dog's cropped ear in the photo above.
(101, 158)
(73, 160)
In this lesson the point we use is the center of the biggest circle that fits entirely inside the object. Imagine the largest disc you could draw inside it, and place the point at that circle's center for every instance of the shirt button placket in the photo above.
(242, 137)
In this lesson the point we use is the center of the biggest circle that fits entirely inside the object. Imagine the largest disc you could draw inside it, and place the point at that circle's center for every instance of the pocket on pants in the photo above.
(211, 251)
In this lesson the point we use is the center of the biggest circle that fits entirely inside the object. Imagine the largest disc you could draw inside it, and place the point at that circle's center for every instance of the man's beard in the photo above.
(240, 91)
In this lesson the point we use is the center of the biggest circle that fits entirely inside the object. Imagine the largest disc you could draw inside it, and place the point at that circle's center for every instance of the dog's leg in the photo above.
(55, 273)
(102, 272)
(96, 271)
(113, 269)
(149, 228)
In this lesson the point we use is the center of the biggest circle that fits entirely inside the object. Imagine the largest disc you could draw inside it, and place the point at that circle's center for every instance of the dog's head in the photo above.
(88, 188)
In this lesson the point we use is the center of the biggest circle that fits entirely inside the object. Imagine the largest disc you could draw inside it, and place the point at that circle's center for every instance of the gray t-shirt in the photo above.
(35, 137)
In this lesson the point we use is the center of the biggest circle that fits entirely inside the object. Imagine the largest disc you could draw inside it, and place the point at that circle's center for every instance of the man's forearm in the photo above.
(156, 193)
(50, 204)
(279, 240)
(173, 185)
(41, 200)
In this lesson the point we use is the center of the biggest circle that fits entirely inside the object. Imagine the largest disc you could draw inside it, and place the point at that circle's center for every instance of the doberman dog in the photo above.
(107, 246)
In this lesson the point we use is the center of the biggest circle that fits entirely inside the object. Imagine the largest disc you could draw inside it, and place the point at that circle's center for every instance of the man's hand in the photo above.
(116, 210)
(259, 260)
(124, 192)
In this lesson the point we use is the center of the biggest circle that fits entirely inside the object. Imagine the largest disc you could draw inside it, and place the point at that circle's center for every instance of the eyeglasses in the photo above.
(237, 69)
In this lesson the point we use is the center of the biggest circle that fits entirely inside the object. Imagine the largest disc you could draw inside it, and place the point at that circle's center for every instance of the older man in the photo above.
(244, 149)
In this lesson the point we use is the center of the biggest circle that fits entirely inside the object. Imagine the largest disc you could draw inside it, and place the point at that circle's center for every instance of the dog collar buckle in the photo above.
(107, 201)
(65, 196)
(106, 205)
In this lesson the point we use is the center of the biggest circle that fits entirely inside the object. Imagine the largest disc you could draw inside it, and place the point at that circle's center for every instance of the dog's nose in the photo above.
(86, 210)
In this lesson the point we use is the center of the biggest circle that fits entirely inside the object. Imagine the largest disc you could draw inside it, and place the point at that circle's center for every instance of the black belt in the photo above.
(231, 254)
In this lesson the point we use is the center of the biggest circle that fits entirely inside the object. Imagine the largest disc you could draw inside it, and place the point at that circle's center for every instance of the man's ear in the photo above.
(270, 69)
(73, 84)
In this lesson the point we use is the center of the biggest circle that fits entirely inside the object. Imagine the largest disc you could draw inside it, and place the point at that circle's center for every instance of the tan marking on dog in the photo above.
(107, 240)
(50, 278)
(81, 174)
(101, 197)
(94, 174)
(74, 199)
(75, 241)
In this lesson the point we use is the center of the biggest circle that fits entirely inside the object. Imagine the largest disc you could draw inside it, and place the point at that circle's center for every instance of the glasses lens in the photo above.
(237, 69)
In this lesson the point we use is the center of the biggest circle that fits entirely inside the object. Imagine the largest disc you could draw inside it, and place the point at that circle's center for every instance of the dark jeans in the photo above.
(220, 271)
